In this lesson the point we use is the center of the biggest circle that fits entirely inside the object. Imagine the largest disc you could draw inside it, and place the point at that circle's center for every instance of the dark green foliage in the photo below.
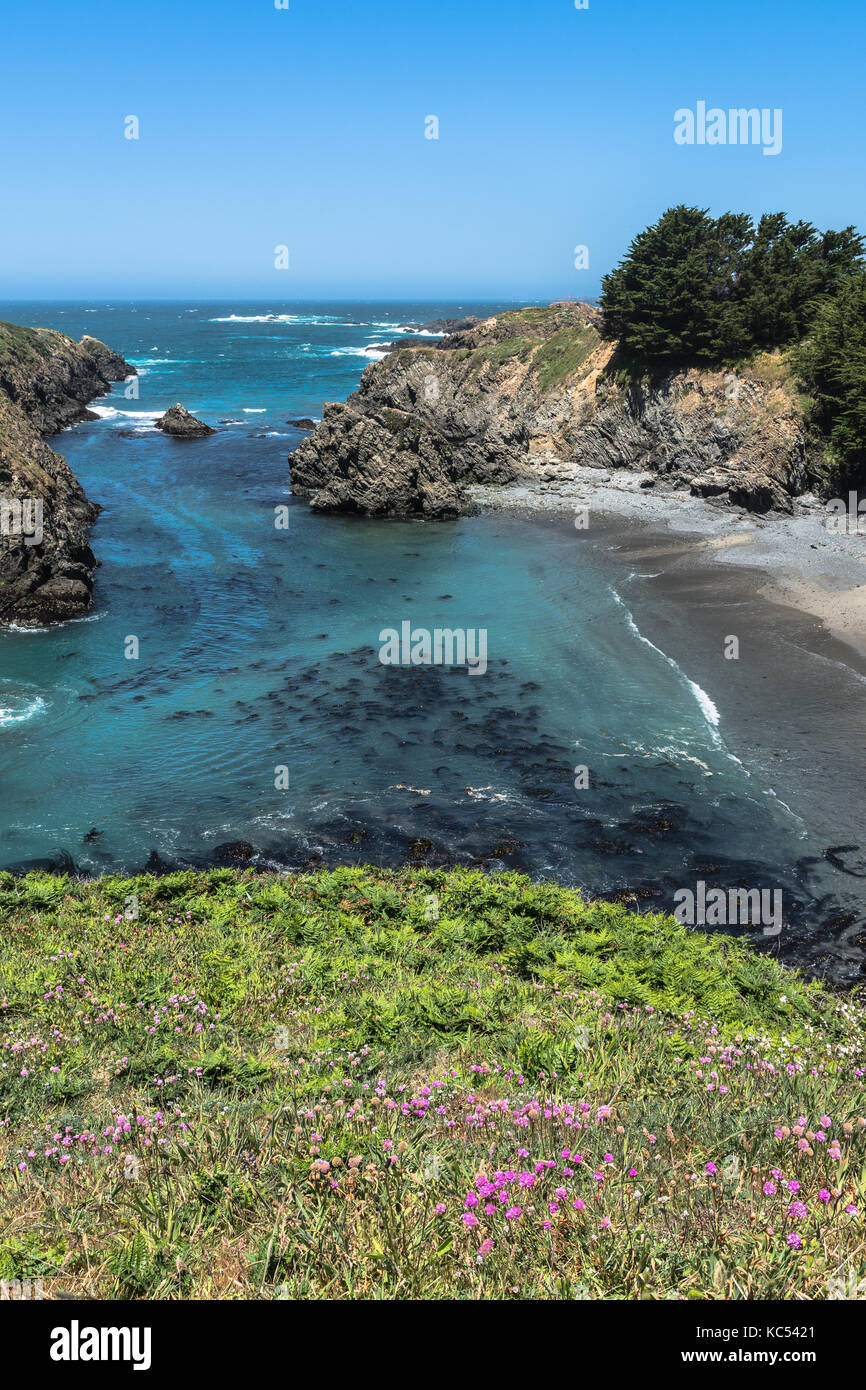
(694, 289)
(832, 362)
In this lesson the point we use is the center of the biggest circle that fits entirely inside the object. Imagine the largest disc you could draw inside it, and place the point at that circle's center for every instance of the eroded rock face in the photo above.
(178, 422)
(46, 563)
(538, 390)
(393, 464)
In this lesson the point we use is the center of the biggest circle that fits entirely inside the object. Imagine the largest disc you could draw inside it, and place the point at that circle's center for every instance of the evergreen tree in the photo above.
(693, 289)
(832, 362)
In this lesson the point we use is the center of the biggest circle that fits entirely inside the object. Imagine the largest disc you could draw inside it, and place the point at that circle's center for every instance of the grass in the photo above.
(563, 354)
(361, 1084)
(19, 346)
(494, 354)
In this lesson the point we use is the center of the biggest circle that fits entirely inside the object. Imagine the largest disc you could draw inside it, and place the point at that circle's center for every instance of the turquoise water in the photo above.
(258, 651)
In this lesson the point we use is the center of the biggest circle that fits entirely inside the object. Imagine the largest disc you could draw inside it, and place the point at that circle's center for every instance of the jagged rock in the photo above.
(392, 465)
(303, 424)
(533, 393)
(178, 422)
(46, 564)
(448, 325)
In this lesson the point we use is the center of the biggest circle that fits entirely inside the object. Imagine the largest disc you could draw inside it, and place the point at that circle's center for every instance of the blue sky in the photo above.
(305, 127)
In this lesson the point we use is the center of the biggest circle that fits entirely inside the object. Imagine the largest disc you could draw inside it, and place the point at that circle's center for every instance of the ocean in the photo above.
(258, 724)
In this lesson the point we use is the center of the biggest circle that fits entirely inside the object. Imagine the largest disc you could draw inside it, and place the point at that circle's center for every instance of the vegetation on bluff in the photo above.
(415, 1084)
(697, 290)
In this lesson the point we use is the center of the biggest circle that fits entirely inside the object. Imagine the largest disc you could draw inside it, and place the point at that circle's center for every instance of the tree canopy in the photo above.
(698, 289)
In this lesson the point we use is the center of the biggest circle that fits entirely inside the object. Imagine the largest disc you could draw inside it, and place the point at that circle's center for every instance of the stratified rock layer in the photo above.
(537, 392)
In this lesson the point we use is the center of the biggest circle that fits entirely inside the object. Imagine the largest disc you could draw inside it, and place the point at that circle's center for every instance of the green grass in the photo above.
(265, 1087)
(494, 354)
(563, 354)
(22, 345)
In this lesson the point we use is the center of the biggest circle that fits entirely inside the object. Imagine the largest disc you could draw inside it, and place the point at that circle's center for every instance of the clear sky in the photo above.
(305, 127)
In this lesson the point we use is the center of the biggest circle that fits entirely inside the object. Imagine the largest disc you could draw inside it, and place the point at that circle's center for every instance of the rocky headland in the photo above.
(538, 394)
(46, 382)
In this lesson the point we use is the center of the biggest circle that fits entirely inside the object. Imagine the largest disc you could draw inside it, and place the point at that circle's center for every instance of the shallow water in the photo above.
(259, 651)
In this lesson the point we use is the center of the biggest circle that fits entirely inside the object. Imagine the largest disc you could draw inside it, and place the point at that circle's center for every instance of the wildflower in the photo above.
(770, 1189)
(712, 1169)
(470, 1219)
(794, 1240)
(440, 1208)
(513, 1213)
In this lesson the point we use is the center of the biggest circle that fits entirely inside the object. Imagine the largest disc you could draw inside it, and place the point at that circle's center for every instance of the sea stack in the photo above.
(178, 422)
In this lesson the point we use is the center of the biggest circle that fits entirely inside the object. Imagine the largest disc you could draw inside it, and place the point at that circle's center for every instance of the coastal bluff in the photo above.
(46, 383)
(539, 392)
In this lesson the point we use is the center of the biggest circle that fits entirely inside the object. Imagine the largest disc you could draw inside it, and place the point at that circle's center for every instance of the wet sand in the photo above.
(792, 704)
(795, 560)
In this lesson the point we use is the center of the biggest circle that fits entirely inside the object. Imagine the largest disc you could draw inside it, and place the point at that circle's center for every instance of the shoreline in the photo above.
(827, 580)
(694, 574)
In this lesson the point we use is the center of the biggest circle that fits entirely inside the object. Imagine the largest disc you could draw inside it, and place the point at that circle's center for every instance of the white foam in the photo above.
(253, 409)
(407, 329)
(18, 713)
(278, 318)
(358, 352)
(708, 709)
(108, 412)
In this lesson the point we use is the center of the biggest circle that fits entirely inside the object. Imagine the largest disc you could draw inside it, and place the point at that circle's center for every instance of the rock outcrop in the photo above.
(537, 390)
(46, 381)
(177, 421)
(389, 464)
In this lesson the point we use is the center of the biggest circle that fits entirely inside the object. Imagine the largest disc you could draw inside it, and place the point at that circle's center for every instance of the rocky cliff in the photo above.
(46, 381)
(538, 392)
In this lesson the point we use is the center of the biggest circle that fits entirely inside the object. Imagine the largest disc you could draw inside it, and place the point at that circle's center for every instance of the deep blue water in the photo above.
(259, 650)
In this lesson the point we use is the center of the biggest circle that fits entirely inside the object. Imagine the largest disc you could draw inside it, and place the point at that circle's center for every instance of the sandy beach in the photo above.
(795, 560)
(694, 574)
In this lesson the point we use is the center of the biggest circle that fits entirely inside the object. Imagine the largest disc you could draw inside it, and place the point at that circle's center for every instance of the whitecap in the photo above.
(358, 352)
(109, 412)
(20, 709)
(708, 708)
(279, 318)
